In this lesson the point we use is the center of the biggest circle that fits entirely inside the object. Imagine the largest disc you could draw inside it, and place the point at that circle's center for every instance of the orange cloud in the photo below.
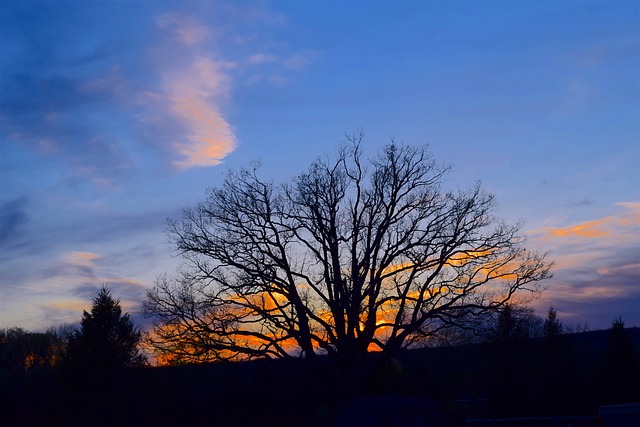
(620, 226)
(194, 86)
(595, 260)
(583, 243)
(192, 99)
(74, 306)
(589, 229)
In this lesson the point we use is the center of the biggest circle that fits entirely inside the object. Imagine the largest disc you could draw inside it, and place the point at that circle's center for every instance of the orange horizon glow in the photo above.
(247, 307)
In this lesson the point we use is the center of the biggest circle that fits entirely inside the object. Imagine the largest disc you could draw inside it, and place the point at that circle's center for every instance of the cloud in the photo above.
(63, 96)
(13, 218)
(60, 312)
(194, 86)
(81, 259)
(622, 226)
(597, 268)
(102, 109)
(68, 308)
(66, 287)
(69, 117)
(191, 96)
(130, 291)
(297, 61)
(261, 58)
(84, 105)
(186, 29)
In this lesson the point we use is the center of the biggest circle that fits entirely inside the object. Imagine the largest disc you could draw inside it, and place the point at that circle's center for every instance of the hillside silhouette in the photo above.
(567, 375)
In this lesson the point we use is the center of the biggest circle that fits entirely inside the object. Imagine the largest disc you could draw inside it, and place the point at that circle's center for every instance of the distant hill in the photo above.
(570, 375)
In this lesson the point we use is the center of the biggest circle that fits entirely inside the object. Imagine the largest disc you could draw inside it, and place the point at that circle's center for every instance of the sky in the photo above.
(114, 116)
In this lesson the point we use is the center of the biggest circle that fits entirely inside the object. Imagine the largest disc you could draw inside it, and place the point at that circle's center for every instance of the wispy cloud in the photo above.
(104, 109)
(186, 29)
(261, 58)
(90, 116)
(13, 217)
(192, 95)
(597, 263)
(298, 61)
(70, 119)
(624, 225)
(73, 281)
(81, 259)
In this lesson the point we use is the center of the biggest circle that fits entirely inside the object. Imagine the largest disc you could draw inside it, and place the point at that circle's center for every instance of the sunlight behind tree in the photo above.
(346, 258)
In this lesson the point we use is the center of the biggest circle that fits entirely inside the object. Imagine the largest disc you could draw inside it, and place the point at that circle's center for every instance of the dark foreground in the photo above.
(562, 381)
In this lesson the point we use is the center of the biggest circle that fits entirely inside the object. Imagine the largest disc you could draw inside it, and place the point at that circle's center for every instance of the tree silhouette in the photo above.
(619, 367)
(344, 259)
(515, 322)
(107, 340)
(552, 325)
(22, 351)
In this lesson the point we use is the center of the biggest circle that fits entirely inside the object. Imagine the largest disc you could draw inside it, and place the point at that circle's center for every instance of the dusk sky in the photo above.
(116, 115)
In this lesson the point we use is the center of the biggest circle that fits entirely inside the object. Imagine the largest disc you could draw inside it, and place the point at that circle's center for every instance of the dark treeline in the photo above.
(570, 374)
(25, 352)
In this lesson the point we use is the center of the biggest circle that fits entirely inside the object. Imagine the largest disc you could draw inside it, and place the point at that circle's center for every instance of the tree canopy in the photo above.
(106, 339)
(349, 257)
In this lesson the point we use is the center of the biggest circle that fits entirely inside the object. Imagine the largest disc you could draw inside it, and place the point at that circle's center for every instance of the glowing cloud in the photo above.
(192, 95)
(595, 261)
(191, 100)
(621, 226)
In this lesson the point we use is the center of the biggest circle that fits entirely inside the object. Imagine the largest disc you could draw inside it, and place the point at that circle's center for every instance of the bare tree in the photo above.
(346, 258)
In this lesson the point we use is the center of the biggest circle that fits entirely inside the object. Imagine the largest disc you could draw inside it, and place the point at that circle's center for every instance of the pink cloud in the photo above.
(81, 259)
(194, 87)
(192, 96)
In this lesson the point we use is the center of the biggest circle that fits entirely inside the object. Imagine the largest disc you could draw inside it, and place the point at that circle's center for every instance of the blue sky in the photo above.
(116, 115)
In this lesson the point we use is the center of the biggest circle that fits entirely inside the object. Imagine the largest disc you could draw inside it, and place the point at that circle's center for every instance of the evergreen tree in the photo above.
(619, 368)
(515, 323)
(552, 324)
(107, 340)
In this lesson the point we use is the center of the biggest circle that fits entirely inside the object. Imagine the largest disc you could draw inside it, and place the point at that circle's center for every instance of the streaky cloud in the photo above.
(186, 29)
(624, 225)
(13, 217)
(192, 95)
(261, 58)
(597, 265)
(83, 259)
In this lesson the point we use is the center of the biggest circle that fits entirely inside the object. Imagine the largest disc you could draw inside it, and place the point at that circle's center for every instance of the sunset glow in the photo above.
(114, 116)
